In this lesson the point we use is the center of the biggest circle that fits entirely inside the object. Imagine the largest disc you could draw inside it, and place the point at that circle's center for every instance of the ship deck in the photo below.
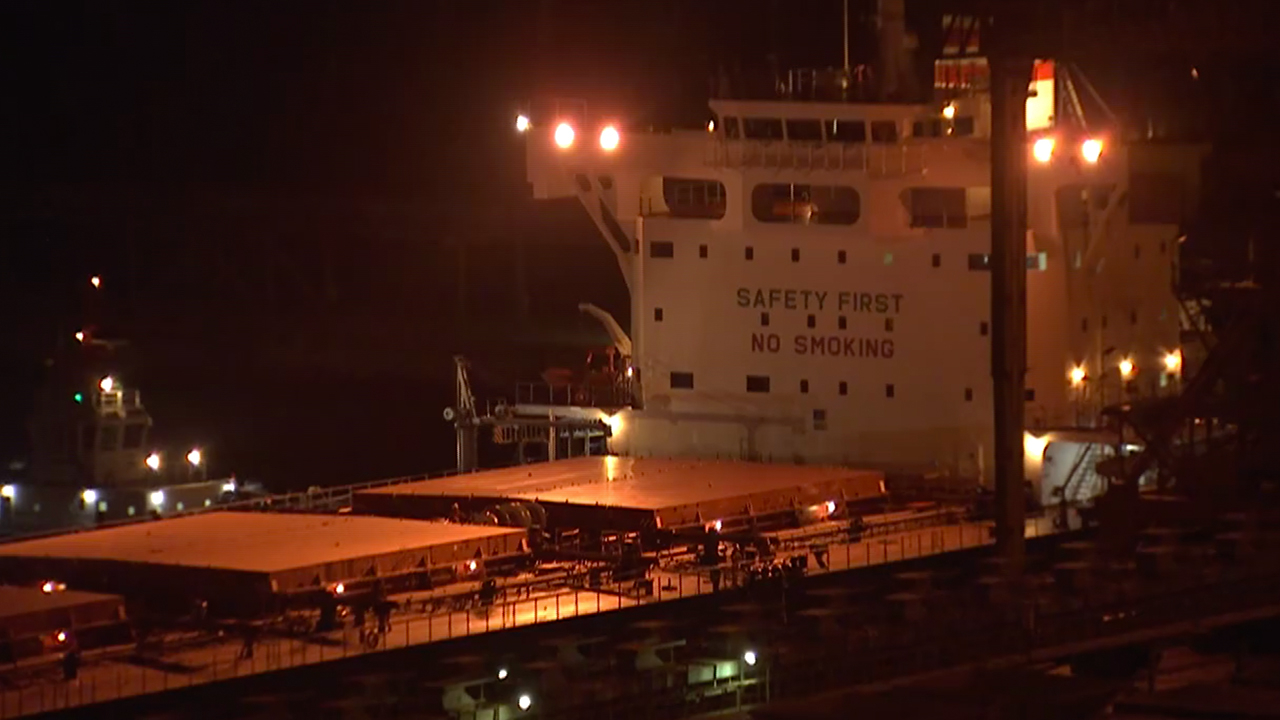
(629, 494)
(237, 556)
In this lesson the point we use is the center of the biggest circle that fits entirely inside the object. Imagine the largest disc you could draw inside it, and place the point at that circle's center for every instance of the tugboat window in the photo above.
(805, 204)
(762, 128)
(804, 131)
(133, 434)
(884, 131)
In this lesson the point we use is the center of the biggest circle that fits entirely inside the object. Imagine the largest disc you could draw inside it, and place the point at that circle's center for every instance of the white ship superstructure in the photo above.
(809, 280)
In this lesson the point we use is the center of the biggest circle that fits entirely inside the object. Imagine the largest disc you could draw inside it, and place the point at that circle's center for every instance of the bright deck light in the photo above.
(107, 384)
(8, 492)
(157, 498)
(1173, 361)
(89, 497)
(609, 138)
(522, 123)
(194, 457)
(1077, 375)
(1126, 368)
(564, 135)
(502, 673)
(95, 281)
(79, 336)
(949, 111)
(1042, 150)
(525, 702)
(749, 657)
(153, 461)
(1091, 149)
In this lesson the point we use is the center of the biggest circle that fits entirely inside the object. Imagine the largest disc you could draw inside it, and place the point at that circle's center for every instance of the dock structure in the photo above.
(627, 494)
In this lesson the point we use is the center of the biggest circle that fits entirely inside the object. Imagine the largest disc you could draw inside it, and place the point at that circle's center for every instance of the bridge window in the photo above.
(681, 380)
(762, 128)
(806, 204)
(964, 126)
(757, 383)
(692, 198)
(884, 131)
(731, 130)
(846, 131)
(938, 207)
(804, 130)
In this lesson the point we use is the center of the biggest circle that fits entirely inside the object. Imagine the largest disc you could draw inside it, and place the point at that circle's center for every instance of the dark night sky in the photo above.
(134, 135)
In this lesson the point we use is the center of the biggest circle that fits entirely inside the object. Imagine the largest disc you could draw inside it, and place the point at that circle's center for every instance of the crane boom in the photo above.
(616, 333)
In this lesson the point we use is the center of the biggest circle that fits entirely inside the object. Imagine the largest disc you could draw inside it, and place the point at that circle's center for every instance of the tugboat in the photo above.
(93, 459)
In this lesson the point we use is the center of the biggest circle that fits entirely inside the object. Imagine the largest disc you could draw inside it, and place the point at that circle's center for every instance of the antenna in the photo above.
(846, 38)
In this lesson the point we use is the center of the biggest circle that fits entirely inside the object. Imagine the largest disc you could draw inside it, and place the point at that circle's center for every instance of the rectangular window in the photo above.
(109, 437)
(888, 390)
(1038, 261)
(804, 386)
(968, 394)
(1029, 395)
(750, 253)
(762, 128)
(979, 261)
(938, 207)
(812, 321)
(884, 131)
(757, 383)
(795, 254)
(681, 380)
(662, 249)
(888, 324)
(805, 204)
(819, 419)
(844, 388)
(937, 260)
(963, 126)
(657, 314)
(692, 198)
(764, 319)
(846, 131)
(702, 251)
(133, 435)
(841, 257)
(804, 131)
(983, 328)
(843, 322)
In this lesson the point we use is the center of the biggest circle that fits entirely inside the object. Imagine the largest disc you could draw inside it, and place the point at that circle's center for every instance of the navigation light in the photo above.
(609, 138)
(525, 702)
(78, 397)
(194, 457)
(1091, 149)
(522, 123)
(157, 498)
(1173, 361)
(749, 657)
(1042, 150)
(339, 589)
(79, 336)
(95, 281)
(8, 492)
(153, 461)
(60, 636)
(89, 497)
(107, 383)
(564, 135)
(711, 126)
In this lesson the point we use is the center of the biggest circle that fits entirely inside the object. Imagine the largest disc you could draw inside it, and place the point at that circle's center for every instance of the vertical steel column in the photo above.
(1010, 78)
